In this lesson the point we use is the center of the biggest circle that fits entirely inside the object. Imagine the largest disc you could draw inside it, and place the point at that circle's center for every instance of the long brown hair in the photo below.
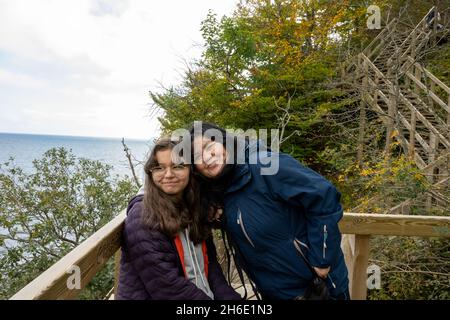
(167, 213)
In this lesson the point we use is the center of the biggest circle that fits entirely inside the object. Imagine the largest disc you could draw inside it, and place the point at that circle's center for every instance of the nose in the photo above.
(168, 173)
(207, 156)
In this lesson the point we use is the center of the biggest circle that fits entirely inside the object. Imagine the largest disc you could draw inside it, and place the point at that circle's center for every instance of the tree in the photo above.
(47, 213)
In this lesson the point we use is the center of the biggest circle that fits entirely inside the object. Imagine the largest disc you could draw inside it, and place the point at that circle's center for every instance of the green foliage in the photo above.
(47, 213)
(273, 56)
(411, 268)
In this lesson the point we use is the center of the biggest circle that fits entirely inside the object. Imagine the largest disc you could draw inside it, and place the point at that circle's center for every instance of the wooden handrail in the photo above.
(420, 117)
(90, 257)
(385, 29)
(395, 225)
(94, 252)
(410, 36)
(429, 92)
(429, 75)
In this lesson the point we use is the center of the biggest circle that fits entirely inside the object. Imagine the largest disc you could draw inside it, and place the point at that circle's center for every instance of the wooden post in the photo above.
(362, 128)
(117, 257)
(435, 23)
(434, 141)
(412, 135)
(390, 122)
(448, 117)
(362, 115)
(413, 45)
(418, 76)
(359, 272)
(430, 100)
(348, 249)
(375, 92)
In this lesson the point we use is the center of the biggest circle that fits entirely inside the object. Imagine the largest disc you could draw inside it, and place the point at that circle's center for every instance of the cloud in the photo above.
(20, 80)
(108, 7)
(97, 58)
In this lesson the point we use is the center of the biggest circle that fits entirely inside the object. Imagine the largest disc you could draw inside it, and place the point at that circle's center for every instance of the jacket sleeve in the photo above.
(318, 199)
(216, 279)
(155, 261)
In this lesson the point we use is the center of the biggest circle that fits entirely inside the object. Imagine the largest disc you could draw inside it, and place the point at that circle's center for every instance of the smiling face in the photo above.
(209, 157)
(169, 177)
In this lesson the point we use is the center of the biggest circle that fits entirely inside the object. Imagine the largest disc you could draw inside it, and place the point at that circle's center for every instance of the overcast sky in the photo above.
(84, 67)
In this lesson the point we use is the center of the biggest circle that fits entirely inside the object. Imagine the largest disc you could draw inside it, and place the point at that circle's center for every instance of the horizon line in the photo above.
(76, 136)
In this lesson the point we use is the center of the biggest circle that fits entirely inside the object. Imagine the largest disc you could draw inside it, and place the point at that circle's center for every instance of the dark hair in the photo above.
(167, 213)
(205, 126)
(212, 190)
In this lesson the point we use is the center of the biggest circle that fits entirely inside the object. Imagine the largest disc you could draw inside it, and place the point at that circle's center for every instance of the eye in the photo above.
(157, 169)
(209, 146)
(179, 167)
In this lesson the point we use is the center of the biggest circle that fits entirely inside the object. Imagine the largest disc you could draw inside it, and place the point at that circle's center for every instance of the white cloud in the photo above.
(97, 59)
(20, 80)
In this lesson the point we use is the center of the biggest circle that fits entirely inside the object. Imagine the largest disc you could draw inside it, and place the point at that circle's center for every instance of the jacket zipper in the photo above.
(241, 223)
(325, 236)
(331, 280)
(301, 243)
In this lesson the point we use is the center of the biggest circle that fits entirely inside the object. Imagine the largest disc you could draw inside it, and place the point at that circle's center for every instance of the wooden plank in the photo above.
(412, 133)
(417, 135)
(382, 32)
(362, 126)
(392, 111)
(441, 159)
(419, 161)
(425, 121)
(348, 249)
(358, 290)
(429, 75)
(395, 225)
(117, 257)
(424, 88)
(90, 256)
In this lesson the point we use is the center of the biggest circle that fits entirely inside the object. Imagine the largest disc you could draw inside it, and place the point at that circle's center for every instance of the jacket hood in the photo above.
(137, 198)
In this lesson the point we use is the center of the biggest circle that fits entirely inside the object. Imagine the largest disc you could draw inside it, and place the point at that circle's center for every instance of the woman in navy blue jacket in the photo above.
(271, 217)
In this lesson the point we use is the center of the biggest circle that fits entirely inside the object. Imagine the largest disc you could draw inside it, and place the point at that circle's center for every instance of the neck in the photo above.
(177, 198)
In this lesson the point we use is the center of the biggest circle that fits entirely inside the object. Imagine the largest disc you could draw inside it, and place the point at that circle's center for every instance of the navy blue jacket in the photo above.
(265, 214)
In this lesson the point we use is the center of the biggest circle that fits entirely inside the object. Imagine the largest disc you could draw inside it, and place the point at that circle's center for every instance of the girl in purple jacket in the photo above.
(167, 250)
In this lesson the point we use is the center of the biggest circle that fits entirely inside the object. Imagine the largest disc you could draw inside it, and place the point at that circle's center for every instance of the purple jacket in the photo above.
(150, 267)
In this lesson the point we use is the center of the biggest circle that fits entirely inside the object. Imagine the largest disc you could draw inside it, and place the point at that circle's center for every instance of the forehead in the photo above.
(167, 157)
(201, 141)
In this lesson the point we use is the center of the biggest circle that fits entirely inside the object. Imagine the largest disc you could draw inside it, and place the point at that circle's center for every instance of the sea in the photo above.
(24, 148)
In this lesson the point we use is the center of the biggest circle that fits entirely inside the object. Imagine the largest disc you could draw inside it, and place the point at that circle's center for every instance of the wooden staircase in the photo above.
(413, 103)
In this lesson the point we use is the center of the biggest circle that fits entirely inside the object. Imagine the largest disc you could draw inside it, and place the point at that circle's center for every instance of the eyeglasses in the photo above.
(205, 150)
(176, 169)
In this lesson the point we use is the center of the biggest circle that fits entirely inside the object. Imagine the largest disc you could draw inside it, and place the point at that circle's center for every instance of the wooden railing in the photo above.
(380, 40)
(372, 80)
(428, 84)
(92, 255)
(417, 39)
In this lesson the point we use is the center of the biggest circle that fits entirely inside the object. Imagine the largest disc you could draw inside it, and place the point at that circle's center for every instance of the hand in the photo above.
(218, 214)
(322, 272)
(215, 215)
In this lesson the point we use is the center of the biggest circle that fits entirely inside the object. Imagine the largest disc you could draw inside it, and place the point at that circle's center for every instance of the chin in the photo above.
(171, 191)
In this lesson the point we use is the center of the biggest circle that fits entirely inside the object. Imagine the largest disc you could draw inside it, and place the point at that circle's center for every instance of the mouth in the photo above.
(169, 183)
(213, 165)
